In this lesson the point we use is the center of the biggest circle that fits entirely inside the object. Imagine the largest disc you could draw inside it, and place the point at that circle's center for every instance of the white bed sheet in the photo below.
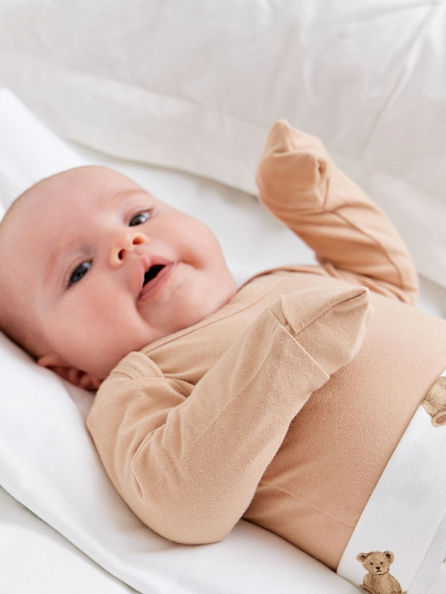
(36, 559)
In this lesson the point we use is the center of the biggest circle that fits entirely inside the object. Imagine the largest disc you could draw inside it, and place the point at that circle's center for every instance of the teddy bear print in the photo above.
(435, 402)
(378, 579)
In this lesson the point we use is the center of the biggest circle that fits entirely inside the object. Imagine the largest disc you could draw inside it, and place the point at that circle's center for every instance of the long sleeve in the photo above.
(352, 238)
(187, 459)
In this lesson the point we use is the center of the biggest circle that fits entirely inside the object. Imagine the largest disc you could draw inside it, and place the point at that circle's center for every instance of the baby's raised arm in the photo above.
(352, 238)
(188, 459)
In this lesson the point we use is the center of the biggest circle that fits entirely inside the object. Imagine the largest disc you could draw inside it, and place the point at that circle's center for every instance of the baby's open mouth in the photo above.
(152, 273)
(155, 278)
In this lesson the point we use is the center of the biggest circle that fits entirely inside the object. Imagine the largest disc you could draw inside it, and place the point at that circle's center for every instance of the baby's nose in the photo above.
(125, 243)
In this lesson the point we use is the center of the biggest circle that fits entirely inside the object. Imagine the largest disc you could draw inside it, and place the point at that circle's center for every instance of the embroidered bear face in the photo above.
(376, 562)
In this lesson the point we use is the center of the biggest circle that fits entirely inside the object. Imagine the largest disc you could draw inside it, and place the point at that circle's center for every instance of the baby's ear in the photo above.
(75, 376)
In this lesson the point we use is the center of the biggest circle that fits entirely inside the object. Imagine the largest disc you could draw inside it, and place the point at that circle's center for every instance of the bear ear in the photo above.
(362, 557)
(390, 556)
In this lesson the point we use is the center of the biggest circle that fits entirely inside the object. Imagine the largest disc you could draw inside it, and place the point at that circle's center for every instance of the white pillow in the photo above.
(195, 86)
(49, 464)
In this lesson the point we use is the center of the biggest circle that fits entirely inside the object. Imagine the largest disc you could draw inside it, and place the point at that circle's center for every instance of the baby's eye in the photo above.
(79, 272)
(139, 219)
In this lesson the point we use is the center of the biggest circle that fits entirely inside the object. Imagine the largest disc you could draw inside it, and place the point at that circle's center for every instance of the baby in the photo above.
(281, 402)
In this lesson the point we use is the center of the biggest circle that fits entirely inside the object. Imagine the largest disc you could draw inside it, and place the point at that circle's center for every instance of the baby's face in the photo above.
(103, 268)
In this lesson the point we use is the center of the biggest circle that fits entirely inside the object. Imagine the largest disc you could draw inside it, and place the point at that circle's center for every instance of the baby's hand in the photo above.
(292, 171)
(330, 323)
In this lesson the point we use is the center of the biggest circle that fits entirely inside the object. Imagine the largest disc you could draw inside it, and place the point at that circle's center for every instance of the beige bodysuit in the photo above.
(233, 418)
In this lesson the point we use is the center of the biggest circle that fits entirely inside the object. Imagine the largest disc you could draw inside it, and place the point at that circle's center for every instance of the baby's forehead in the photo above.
(87, 178)
(53, 194)
(94, 184)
